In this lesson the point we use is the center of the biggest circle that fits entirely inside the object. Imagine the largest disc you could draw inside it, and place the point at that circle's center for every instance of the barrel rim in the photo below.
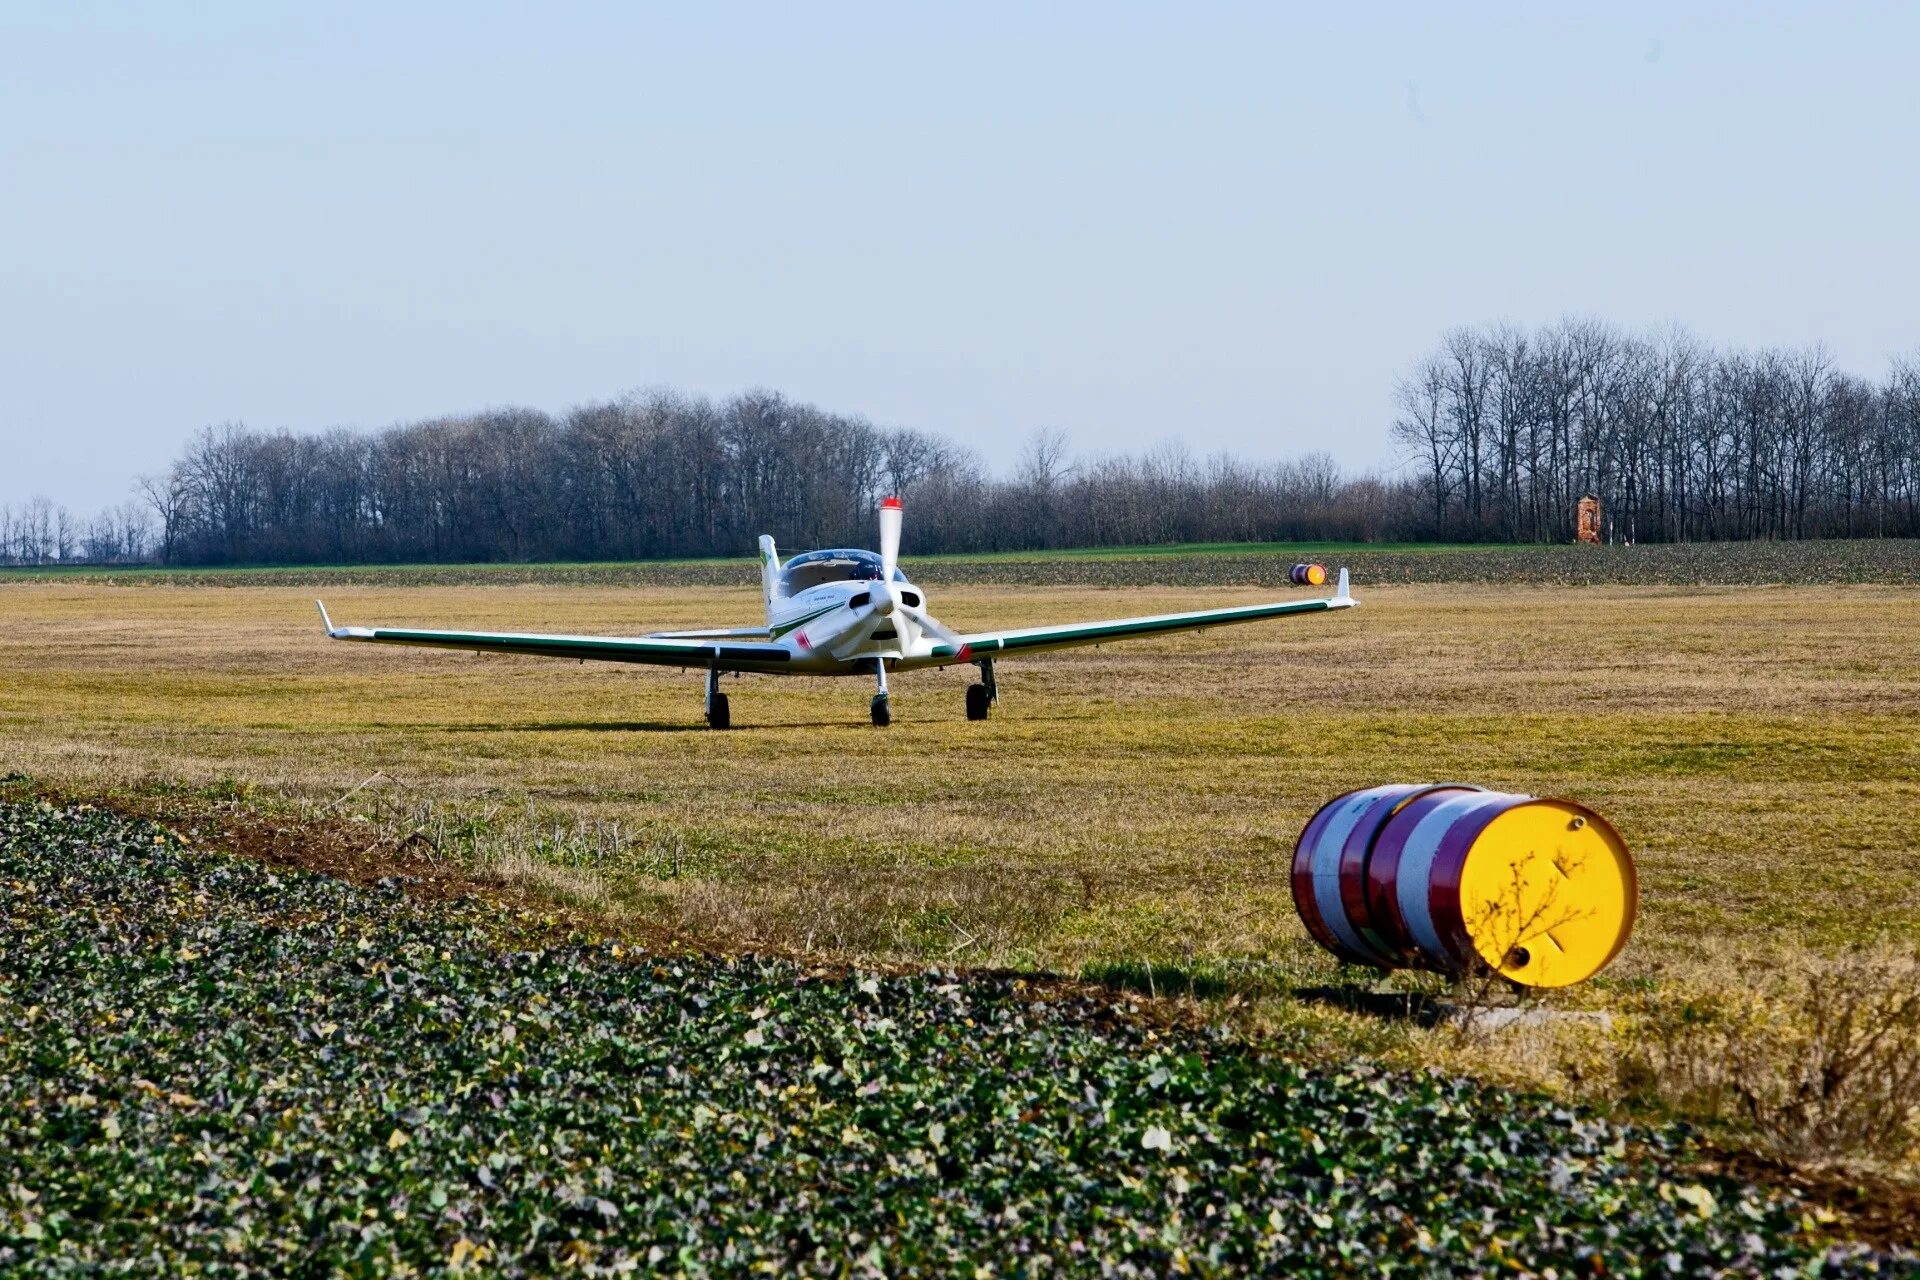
(1453, 917)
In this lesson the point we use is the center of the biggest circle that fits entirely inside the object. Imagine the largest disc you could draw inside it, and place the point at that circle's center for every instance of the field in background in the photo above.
(1127, 814)
(747, 566)
(1892, 561)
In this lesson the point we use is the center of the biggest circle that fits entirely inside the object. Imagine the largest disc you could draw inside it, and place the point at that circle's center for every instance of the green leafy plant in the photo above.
(210, 1066)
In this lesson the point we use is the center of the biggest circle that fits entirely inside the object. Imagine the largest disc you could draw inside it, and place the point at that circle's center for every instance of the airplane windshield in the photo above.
(816, 567)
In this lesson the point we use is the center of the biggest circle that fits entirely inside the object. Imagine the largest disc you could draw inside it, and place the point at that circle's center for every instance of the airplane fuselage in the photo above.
(842, 628)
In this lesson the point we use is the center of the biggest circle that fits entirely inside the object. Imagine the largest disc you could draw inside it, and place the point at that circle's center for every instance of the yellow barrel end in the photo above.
(1316, 575)
(1548, 893)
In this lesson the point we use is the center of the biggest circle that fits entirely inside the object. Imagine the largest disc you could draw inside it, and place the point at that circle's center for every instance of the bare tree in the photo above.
(1426, 430)
(167, 497)
(1043, 469)
(1502, 430)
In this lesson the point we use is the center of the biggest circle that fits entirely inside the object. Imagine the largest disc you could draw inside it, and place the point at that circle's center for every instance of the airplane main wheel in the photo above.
(979, 702)
(719, 716)
(882, 713)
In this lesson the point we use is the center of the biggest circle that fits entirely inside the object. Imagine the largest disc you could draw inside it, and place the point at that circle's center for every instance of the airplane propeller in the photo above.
(891, 514)
(889, 600)
(933, 626)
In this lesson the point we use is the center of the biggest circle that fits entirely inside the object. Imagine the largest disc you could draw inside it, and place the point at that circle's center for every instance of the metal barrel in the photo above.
(1375, 912)
(1447, 876)
(1319, 892)
(1308, 575)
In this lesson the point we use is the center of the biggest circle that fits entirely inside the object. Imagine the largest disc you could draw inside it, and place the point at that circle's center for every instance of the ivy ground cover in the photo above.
(211, 1067)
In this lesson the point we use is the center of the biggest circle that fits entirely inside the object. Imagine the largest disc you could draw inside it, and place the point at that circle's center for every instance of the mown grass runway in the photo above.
(1133, 802)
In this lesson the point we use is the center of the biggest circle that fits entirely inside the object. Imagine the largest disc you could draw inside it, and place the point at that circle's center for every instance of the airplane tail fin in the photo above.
(769, 572)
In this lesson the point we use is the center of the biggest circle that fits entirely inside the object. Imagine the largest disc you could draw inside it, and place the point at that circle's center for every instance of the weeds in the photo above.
(511, 842)
(1820, 1058)
(1508, 925)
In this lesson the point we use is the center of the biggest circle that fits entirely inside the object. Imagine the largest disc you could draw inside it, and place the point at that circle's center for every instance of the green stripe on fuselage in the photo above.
(783, 628)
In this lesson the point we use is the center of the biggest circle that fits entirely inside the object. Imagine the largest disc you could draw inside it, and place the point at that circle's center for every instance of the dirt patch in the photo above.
(1866, 1206)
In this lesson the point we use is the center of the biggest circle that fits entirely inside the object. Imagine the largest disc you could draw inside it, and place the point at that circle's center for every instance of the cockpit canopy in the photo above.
(844, 565)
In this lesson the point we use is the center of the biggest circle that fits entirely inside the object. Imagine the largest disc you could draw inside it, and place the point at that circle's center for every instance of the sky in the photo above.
(1231, 226)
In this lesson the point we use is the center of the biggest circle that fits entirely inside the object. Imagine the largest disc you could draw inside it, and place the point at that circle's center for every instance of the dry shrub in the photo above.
(1507, 925)
(1820, 1057)
(520, 868)
(956, 914)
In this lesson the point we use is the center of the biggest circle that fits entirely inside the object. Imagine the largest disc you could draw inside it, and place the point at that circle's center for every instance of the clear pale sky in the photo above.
(1229, 225)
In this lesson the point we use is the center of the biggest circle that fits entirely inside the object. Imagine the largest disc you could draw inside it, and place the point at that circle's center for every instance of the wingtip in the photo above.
(1341, 595)
(325, 621)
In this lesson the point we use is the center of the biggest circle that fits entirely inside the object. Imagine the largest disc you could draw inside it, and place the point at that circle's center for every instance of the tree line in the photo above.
(1681, 443)
(658, 474)
(41, 533)
(1503, 431)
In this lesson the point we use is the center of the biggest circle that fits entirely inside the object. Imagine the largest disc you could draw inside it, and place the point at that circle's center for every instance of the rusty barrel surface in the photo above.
(1445, 876)
(1308, 575)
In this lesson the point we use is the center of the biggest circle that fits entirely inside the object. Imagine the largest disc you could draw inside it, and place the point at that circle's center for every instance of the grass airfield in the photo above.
(1132, 805)
(1127, 817)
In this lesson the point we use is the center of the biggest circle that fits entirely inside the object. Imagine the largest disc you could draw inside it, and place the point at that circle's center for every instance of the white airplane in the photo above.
(837, 613)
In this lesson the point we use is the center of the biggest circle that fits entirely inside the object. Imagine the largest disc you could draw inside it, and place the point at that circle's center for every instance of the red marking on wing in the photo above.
(966, 652)
(891, 504)
(800, 638)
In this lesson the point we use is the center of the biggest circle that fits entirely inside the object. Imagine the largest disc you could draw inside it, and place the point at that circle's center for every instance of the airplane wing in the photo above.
(714, 633)
(1046, 639)
(658, 651)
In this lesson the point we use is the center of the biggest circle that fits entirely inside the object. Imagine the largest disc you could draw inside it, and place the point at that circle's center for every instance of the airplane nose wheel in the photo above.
(879, 708)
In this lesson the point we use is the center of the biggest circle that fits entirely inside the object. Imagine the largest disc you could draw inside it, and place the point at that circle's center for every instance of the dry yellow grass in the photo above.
(1134, 802)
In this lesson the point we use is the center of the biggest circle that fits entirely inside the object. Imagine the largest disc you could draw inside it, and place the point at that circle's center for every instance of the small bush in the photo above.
(1821, 1058)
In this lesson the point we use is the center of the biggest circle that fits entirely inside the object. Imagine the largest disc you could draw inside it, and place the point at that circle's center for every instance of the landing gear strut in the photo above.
(718, 714)
(879, 708)
(982, 696)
